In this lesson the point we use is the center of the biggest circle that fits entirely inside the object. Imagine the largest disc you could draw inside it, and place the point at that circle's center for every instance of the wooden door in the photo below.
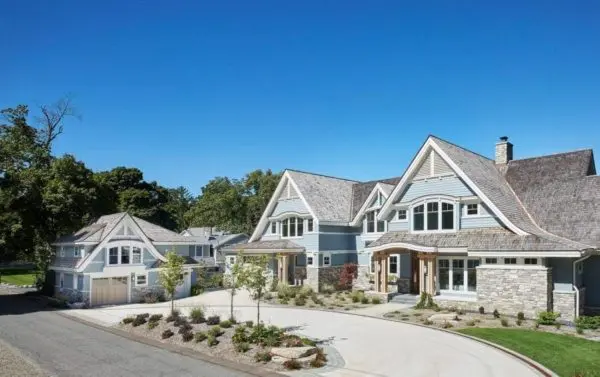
(415, 280)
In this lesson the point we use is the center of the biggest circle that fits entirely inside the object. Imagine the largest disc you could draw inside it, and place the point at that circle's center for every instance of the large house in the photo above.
(116, 260)
(512, 235)
(210, 242)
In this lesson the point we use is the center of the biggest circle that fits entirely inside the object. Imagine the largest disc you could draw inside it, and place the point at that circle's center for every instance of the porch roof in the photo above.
(275, 246)
(488, 239)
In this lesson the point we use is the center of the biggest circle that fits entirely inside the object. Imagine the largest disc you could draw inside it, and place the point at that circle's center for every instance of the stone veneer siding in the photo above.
(362, 281)
(330, 275)
(312, 278)
(138, 293)
(403, 285)
(564, 303)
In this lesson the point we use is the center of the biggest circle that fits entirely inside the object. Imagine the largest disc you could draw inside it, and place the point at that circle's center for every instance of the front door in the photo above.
(415, 275)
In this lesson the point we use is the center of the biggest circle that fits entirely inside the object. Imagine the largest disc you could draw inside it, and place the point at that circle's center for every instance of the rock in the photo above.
(293, 352)
(440, 317)
(77, 305)
(278, 359)
(305, 361)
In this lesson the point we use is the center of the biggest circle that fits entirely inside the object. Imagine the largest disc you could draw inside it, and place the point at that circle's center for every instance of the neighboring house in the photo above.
(513, 235)
(209, 244)
(116, 260)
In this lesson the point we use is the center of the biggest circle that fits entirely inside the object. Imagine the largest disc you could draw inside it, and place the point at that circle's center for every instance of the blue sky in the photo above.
(189, 90)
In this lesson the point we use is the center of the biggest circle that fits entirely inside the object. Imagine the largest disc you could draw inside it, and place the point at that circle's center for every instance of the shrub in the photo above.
(536, 326)
(319, 360)
(239, 335)
(139, 320)
(356, 296)
(144, 315)
(299, 301)
(211, 340)
(284, 290)
(426, 302)
(225, 324)
(460, 312)
(152, 298)
(173, 316)
(292, 341)
(327, 289)
(267, 296)
(307, 291)
(496, 313)
(557, 325)
(167, 334)
(249, 324)
(213, 320)
(152, 324)
(215, 331)
(127, 320)
(180, 321)
(428, 322)
(481, 310)
(309, 342)
(588, 322)
(274, 284)
(187, 336)
(262, 357)
(216, 280)
(364, 300)
(283, 300)
(579, 330)
(347, 275)
(376, 300)
(447, 325)
(200, 336)
(155, 317)
(242, 347)
(197, 315)
(547, 318)
(232, 320)
(470, 323)
(185, 328)
(292, 364)
(521, 316)
(266, 336)
(519, 322)
(197, 289)
(504, 322)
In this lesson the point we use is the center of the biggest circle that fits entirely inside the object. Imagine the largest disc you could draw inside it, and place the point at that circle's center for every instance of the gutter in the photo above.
(575, 283)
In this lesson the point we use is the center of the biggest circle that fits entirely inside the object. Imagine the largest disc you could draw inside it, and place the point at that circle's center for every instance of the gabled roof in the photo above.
(362, 190)
(220, 238)
(328, 197)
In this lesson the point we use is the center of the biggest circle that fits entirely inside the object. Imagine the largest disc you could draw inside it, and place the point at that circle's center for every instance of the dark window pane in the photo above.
(393, 265)
(401, 214)
(419, 217)
(432, 216)
(211, 252)
(293, 227)
(371, 222)
(284, 228)
(381, 226)
(113, 255)
(444, 272)
(300, 227)
(447, 216)
(124, 254)
(309, 225)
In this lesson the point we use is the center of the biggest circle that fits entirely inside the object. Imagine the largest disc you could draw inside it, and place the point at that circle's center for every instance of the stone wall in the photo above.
(513, 290)
(403, 285)
(138, 293)
(299, 275)
(564, 303)
(312, 278)
(362, 281)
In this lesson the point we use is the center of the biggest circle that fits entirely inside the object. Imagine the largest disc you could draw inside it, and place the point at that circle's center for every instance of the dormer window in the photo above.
(401, 215)
(433, 216)
(380, 199)
(373, 225)
(472, 209)
(292, 227)
(309, 225)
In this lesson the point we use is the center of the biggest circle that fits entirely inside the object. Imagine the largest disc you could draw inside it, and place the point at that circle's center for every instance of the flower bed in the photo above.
(328, 299)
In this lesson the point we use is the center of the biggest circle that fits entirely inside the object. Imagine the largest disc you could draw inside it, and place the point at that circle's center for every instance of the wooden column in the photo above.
(284, 266)
(422, 283)
(384, 276)
(377, 272)
(430, 275)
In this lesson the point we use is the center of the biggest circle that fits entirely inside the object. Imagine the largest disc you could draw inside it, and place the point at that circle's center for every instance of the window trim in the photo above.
(389, 265)
(145, 280)
(440, 202)
(466, 210)
(76, 252)
(310, 221)
(510, 259)
(271, 225)
(376, 222)
(535, 260)
(119, 248)
(397, 217)
(297, 220)
(310, 260)
(465, 290)
(489, 261)
(326, 255)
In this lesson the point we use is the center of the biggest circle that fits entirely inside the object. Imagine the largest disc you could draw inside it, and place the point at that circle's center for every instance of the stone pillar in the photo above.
(384, 276)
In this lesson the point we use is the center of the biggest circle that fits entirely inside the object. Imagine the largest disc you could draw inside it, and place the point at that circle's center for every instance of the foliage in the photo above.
(215, 331)
(284, 290)
(357, 296)
(579, 330)
(565, 355)
(211, 340)
(128, 320)
(266, 336)
(254, 276)
(213, 320)
(375, 300)
(447, 325)
(171, 274)
(428, 322)
(197, 315)
(167, 334)
(496, 313)
(481, 310)
(320, 360)
(521, 316)
(327, 289)
(225, 324)
(470, 323)
(425, 302)
(200, 336)
(299, 301)
(292, 364)
(547, 318)
(364, 300)
(185, 327)
(347, 275)
(152, 324)
(180, 321)
(187, 336)
(240, 335)
(138, 321)
(155, 317)
(242, 347)
(519, 322)
(152, 298)
(249, 324)
(588, 322)
(292, 341)
(309, 342)
(262, 357)
(504, 322)
(233, 281)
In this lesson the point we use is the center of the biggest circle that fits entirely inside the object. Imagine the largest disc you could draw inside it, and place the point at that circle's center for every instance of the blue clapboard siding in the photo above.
(148, 258)
(485, 219)
(394, 226)
(452, 186)
(562, 273)
(337, 242)
(363, 259)
(591, 272)
(405, 270)
(310, 241)
(68, 281)
(183, 250)
(339, 259)
(289, 205)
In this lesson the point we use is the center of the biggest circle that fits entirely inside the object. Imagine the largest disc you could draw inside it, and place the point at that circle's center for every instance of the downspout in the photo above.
(575, 283)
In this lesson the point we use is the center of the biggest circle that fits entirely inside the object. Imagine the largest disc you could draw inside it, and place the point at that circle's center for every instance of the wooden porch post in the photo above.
(430, 275)
(377, 272)
(384, 276)
(422, 282)
(284, 266)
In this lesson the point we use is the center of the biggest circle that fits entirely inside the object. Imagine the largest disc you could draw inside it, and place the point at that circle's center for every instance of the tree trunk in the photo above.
(231, 304)
(172, 303)
(258, 308)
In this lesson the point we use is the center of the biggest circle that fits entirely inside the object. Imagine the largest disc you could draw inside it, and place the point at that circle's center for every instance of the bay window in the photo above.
(433, 215)
(125, 254)
(457, 274)
(292, 227)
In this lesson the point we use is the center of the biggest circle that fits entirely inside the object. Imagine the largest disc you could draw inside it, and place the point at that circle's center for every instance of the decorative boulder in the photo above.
(293, 352)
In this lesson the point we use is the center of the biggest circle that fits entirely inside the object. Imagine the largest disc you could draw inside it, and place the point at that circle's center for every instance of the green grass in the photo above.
(566, 355)
(18, 277)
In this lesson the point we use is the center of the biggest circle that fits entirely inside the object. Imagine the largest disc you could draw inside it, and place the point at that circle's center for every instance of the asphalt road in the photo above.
(63, 347)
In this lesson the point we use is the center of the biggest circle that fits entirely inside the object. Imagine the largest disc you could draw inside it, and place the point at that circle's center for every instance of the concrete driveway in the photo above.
(368, 346)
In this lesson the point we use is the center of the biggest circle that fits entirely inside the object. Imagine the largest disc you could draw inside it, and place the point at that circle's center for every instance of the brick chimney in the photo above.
(504, 151)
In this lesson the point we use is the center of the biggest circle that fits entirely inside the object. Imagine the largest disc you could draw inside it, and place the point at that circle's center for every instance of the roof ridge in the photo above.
(554, 154)
(380, 180)
(459, 147)
(322, 175)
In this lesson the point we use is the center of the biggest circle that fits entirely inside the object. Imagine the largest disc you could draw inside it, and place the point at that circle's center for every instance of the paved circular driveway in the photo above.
(369, 346)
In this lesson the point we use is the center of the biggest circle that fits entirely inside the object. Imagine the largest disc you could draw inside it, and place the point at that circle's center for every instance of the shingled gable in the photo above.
(377, 186)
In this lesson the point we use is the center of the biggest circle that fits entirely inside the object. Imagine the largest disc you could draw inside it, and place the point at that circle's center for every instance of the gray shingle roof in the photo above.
(361, 191)
(561, 192)
(159, 234)
(328, 197)
(493, 239)
(89, 233)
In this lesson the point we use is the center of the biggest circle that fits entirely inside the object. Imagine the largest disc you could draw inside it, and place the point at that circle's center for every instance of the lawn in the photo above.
(566, 355)
(17, 277)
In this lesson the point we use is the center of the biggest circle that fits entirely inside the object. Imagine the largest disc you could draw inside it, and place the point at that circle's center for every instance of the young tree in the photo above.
(171, 275)
(255, 276)
(232, 281)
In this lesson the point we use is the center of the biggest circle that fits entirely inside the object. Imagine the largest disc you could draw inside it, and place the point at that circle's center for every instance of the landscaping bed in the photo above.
(327, 299)
(267, 346)
(568, 356)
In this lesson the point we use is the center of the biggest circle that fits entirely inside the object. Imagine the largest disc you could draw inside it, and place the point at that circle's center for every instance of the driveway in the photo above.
(369, 346)
(66, 348)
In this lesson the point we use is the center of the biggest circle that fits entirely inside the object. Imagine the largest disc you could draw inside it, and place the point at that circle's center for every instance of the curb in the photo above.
(239, 367)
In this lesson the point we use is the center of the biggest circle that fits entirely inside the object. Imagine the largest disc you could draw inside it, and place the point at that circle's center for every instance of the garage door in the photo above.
(109, 291)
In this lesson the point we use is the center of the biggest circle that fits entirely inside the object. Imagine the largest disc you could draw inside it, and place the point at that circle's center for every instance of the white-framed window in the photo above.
(231, 260)
(310, 261)
(491, 260)
(113, 255)
(372, 224)
(292, 227)
(510, 260)
(380, 199)
(326, 259)
(62, 280)
(76, 252)
(472, 209)
(457, 274)
(125, 254)
(273, 227)
(531, 261)
(136, 255)
(310, 225)
(141, 280)
(401, 215)
(62, 252)
(433, 216)
(393, 265)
